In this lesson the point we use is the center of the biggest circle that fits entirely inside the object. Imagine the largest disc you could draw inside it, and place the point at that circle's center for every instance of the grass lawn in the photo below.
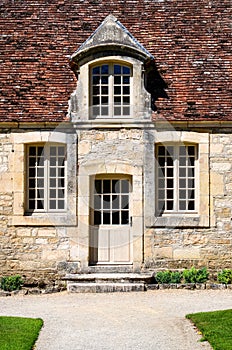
(17, 333)
(216, 328)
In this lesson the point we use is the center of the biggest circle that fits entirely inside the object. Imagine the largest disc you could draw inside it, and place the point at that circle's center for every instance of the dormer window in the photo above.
(110, 90)
(110, 67)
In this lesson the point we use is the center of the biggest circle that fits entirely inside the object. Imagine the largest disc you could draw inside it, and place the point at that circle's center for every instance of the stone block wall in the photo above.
(46, 252)
(209, 246)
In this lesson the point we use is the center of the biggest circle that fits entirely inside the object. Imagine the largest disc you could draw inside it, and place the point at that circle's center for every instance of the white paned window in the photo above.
(111, 202)
(46, 185)
(176, 178)
(110, 90)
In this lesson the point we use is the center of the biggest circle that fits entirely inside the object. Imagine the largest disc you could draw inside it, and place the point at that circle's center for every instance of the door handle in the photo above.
(131, 221)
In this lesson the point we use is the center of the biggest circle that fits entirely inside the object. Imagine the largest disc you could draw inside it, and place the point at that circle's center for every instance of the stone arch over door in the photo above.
(87, 173)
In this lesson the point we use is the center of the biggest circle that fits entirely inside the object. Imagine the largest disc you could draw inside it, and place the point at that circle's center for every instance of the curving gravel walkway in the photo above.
(153, 320)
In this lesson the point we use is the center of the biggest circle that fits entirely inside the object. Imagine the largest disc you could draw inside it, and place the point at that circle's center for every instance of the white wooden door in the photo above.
(110, 240)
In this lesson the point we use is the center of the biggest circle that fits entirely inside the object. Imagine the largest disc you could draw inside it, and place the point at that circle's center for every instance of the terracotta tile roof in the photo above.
(190, 40)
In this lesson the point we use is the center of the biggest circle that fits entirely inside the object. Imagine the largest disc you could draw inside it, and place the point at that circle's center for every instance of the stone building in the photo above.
(115, 136)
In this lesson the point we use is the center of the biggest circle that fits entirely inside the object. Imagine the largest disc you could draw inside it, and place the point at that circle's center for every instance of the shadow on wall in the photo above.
(155, 85)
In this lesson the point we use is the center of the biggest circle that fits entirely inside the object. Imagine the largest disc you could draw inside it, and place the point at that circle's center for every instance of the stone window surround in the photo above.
(21, 141)
(140, 98)
(201, 217)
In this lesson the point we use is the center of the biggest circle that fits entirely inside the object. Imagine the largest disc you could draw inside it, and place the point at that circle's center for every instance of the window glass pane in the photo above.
(182, 183)
(191, 205)
(126, 80)
(117, 110)
(104, 99)
(104, 90)
(98, 186)
(126, 110)
(52, 161)
(125, 202)
(182, 150)
(169, 205)
(97, 202)
(126, 100)
(96, 90)
(126, 90)
(104, 79)
(117, 79)
(126, 70)
(97, 217)
(40, 193)
(104, 111)
(104, 69)
(52, 193)
(106, 218)
(115, 186)
(182, 172)
(182, 205)
(96, 80)
(52, 204)
(169, 183)
(117, 90)
(124, 218)
(32, 151)
(169, 161)
(32, 161)
(96, 70)
(117, 100)
(115, 202)
(191, 150)
(124, 186)
(40, 204)
(106, 202)
(117, 69)
(115, 218)
(60, 204)
(106, 186)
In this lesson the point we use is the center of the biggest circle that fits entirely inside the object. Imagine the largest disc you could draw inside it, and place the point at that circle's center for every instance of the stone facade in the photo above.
(43, 252)
(179, 95)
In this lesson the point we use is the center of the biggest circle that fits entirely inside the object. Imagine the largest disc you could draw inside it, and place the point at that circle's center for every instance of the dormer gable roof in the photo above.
(112, 38)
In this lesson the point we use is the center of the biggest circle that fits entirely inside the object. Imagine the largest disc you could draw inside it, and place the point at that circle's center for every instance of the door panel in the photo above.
(110, 240)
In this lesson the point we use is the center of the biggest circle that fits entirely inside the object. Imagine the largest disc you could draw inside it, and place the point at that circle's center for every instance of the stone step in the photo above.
(106, 287)
(109, 277)
(110, 268)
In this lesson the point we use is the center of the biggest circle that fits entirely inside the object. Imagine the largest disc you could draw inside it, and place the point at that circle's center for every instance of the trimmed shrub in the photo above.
(194, 275)
(10, 283)
(168, 277)
(225, 276)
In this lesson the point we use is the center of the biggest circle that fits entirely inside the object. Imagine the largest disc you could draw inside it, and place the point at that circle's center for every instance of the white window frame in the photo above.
(45, 190)
(201, 216)
(110, 86)
(21, 216)
(175, 167)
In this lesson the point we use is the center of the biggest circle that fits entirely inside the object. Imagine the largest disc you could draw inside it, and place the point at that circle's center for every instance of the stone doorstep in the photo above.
(109, 277)
(91, 287)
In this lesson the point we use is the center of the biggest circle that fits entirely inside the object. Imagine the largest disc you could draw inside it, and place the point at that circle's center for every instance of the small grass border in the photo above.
(19, 333)
(215, 327)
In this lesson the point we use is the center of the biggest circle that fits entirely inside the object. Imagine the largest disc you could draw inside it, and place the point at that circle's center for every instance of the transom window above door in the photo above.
(110, 95)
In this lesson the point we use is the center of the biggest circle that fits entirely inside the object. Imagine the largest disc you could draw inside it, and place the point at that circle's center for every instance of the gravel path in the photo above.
(153, 320)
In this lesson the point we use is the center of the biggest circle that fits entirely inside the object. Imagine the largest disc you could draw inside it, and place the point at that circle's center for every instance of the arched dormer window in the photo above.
(109, 67)
(110, 90)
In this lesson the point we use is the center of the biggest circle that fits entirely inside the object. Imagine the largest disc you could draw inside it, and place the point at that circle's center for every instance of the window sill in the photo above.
(178, 221)
(44, 219)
